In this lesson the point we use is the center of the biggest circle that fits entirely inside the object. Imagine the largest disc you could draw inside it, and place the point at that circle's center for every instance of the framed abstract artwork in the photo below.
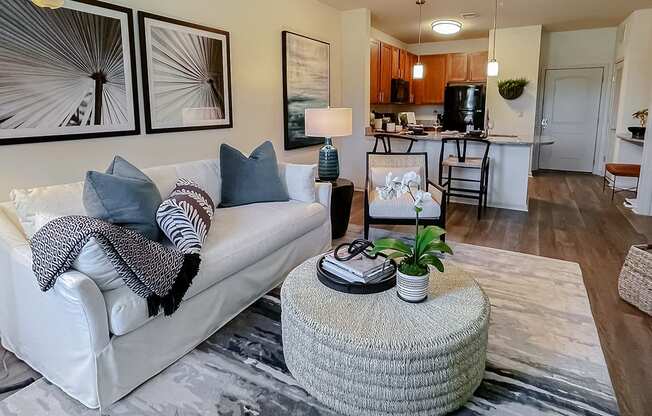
(186, 75)
(306, 84)
(67, 73)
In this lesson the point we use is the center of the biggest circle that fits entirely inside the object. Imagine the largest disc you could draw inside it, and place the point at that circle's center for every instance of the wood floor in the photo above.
(570, 218)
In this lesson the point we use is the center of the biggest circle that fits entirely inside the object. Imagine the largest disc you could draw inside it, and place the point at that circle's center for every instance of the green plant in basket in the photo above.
(413, 259)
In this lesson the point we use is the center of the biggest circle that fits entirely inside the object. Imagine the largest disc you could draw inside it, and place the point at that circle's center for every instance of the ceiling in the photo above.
(399, 18)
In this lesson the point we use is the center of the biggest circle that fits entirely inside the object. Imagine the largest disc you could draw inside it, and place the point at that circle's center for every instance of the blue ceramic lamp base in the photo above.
(329, 163)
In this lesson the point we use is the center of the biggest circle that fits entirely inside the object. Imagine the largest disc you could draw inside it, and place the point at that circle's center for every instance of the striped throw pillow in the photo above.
(186, 215)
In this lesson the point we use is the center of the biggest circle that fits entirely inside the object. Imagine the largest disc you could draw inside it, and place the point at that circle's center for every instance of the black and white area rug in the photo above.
(544, 356)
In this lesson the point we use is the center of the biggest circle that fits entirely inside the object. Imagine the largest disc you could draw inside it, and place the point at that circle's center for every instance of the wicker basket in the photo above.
(635, 282)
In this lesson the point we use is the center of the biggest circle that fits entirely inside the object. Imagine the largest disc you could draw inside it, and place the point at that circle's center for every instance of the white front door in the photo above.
(571, 113)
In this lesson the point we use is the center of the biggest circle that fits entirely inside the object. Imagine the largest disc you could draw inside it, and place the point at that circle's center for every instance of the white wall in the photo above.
(518, 52)
(636, 83)
(583, 48)
(356, 32)
(256, 66)
(385, 38)
(451, 46)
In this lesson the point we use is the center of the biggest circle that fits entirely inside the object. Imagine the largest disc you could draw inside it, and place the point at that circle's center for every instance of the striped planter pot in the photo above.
(413, 289)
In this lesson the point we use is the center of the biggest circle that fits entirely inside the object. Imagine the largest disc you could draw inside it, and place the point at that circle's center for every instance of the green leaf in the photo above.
(427, 236)
(433, 260)
(396, 255)
(439, 246)
(391, 244)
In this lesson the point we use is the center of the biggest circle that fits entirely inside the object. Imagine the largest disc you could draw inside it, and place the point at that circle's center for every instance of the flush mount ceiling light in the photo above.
(49, 4)
(446, 27)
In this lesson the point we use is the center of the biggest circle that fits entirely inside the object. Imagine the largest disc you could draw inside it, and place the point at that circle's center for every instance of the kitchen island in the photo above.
(509, 169)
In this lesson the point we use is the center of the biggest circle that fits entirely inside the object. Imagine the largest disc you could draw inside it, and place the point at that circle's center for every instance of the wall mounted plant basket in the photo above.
(511, 89)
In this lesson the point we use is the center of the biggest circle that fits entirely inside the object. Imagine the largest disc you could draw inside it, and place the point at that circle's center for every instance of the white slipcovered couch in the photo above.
(99, 346)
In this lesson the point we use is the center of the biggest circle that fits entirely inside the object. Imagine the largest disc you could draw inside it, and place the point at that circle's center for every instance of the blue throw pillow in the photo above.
(248, 180)
(123, 196)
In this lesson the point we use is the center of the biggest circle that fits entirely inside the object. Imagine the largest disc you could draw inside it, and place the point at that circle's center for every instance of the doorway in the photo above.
(571, 115)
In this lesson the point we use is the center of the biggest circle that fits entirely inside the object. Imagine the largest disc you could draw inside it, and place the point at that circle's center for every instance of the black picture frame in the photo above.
(291, 143)
(135, 113)
(147, 88)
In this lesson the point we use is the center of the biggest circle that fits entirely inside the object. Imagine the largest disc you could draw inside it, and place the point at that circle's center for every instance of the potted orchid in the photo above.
(414, 260)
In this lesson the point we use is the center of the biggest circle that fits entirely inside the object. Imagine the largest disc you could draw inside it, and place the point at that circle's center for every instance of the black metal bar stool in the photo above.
(462, 161)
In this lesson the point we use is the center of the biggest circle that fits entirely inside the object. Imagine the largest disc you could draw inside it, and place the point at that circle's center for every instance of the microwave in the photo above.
(400, 91)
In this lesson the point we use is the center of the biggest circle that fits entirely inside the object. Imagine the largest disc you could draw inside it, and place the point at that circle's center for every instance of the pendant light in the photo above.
(418, 69)
(492, 66)
(49, 4)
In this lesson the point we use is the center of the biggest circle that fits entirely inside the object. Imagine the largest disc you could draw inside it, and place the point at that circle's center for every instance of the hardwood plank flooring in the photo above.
(570, 218)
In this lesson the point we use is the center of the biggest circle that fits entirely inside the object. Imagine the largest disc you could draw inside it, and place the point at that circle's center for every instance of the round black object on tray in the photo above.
(336, 283)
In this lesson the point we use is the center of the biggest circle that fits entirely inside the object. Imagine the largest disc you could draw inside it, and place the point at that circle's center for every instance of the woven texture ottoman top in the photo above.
(375, 354)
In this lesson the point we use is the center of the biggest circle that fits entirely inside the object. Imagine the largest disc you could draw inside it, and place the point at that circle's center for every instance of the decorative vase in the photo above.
(329, 164)
(412, 289)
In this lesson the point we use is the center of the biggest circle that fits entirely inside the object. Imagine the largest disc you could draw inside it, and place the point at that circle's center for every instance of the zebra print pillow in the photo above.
(186, 215)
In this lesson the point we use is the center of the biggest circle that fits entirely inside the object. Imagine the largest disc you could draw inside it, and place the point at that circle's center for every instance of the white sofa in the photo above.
(99, 346)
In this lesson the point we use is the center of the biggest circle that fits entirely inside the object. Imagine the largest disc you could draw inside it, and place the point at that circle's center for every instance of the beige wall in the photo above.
(385, 38)
(518, 53)
(255, 28)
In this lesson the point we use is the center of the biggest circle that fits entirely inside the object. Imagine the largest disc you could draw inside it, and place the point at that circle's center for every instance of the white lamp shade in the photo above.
(417, 71)
(50, 4)
(492, 68)
(329, 122)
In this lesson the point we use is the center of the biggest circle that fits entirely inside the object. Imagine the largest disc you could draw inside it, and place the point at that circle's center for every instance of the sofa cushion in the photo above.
(253, 179)
(185, 217)
(238, 238)
(299, 180)
(124, 196)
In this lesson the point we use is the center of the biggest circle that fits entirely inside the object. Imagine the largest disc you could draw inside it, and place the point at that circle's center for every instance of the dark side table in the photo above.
(341, 201)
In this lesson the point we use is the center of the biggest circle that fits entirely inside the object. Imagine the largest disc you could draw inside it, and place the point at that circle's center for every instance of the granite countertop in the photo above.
(437, 136)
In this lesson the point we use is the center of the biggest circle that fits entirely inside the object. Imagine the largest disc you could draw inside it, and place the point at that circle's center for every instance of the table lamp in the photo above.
(329, 123)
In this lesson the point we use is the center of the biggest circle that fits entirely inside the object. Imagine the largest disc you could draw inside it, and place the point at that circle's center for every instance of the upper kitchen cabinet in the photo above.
(478, 66)
(396, 62)
(385, 74)
(430, 90)
(467, 67)
(458, 67)
(404, 63)
(374, 48)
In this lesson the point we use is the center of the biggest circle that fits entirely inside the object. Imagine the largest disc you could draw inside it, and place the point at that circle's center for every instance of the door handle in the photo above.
(544, 123)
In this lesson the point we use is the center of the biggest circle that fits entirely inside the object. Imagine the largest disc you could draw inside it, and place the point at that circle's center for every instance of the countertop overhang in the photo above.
(435, 137)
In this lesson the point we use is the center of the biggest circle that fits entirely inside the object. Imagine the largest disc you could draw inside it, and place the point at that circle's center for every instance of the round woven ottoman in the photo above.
(377, 355)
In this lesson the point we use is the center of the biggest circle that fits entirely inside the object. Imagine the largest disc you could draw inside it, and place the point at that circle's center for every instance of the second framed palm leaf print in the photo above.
(186, 75)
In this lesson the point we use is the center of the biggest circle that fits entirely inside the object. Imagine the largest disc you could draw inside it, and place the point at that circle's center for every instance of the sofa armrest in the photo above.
(323, 191)
(70, 316)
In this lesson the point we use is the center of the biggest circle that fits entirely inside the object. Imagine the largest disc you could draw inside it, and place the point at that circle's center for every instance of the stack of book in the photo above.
(360, 269)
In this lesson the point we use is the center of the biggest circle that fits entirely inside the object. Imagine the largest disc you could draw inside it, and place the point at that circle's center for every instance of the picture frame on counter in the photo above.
(58, 88)
(186, 75)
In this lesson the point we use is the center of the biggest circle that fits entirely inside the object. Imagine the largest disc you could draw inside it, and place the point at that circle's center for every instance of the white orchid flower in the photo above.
(420, 197)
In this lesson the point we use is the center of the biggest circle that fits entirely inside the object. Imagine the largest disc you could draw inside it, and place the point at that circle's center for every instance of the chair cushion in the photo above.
(400, 208)
(248, 180)
(124, 196)
(238, 238)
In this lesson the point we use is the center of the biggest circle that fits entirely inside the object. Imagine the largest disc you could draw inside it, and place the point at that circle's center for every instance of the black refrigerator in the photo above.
(464, 107)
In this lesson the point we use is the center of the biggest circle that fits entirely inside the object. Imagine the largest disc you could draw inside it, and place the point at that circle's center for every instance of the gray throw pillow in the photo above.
(248, 180)
(123, 196)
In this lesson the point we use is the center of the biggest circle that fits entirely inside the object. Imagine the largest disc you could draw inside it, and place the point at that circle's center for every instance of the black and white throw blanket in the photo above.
(153, 271)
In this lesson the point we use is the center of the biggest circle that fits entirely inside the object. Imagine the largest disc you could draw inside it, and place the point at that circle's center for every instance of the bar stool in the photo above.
(620, 170)
(462, 161)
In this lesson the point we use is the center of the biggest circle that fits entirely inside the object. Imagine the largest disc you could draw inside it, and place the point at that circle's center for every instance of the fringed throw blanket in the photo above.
(153, 271)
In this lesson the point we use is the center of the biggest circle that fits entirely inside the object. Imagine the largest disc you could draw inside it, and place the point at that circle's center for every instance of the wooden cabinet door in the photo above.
(385, 73)
(374, 48)
(411, 60)
(478, 66)
(434, 81)
(458, 67)
(396, 62)
(404, 64)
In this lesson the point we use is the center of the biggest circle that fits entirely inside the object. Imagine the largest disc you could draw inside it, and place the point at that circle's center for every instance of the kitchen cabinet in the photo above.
(385, 93)
(374, 48)
(411, 60)
(457, 67)
(396, 62)
(434, 80)
(404, 65)
(478, 66)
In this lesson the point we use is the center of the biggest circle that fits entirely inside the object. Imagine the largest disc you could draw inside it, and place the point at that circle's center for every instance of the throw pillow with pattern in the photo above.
(186, 215)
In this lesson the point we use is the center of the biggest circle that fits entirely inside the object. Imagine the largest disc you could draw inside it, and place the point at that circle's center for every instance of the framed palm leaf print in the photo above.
(67, 73)
(186, 75)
